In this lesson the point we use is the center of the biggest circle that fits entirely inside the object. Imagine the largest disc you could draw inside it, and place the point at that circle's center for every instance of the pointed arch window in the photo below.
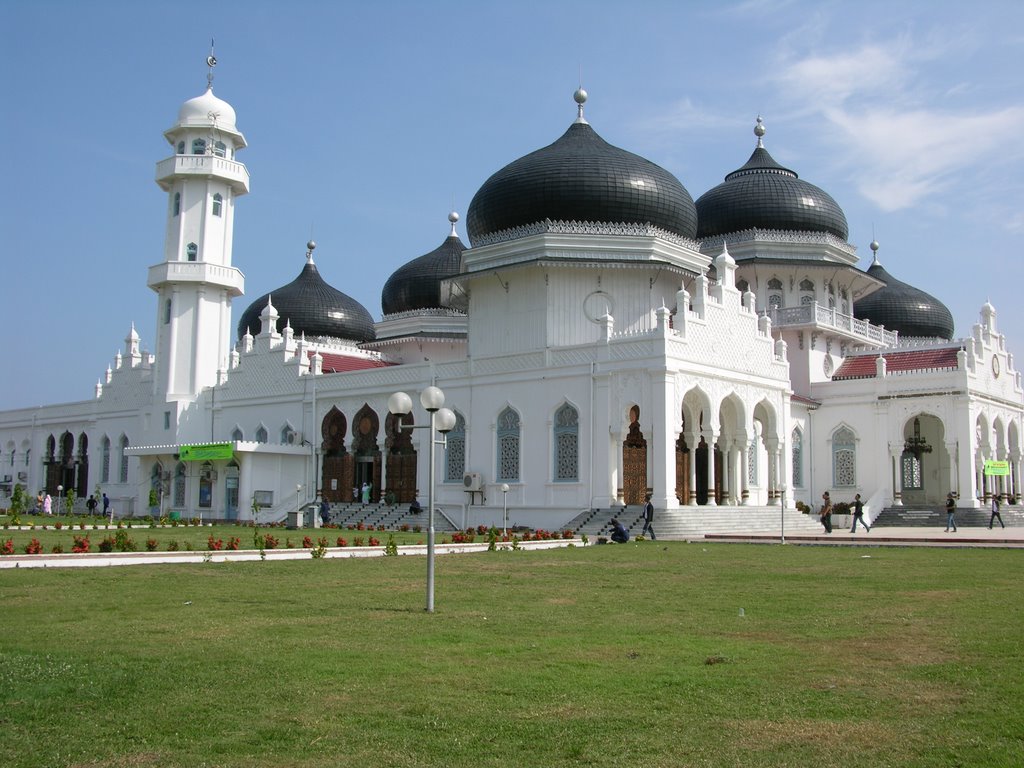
(567, 444)
(218, 203)
(797, 441)
(179, 485)
(181, 147)
(844, 458)
(198, 146)
(177, 203)
(105, 461)
(508, 446)
(220, 148)
(455, 455)
(261, 434)
(192, 251)
(123, 469)
(236, 435)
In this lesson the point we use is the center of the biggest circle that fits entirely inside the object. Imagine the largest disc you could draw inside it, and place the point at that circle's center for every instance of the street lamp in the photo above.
(782, 514)
(441, 420)
(60, 491)
(298, 499)
(504, 513)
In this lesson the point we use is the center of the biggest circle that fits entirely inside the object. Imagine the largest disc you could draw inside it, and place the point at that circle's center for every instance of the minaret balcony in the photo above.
(230, 279)
(816, 317)
(203, 167)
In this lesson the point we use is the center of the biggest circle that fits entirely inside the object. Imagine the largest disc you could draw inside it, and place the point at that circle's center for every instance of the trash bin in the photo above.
(312, 516)
(294, 519)
(175, 515)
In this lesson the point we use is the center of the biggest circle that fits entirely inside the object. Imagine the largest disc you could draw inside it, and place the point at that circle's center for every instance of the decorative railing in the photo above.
(815, 314)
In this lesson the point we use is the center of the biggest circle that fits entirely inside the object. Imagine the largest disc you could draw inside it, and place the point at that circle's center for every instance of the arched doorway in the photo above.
(924, 463)
(366, 452)
(634, 461)
(683, 458)
(336, 472)
(401, 463)
(231, 491)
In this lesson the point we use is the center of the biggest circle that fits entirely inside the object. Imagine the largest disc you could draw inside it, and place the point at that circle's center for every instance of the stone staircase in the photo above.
(935, 517)
(391, 516)
(687, 522)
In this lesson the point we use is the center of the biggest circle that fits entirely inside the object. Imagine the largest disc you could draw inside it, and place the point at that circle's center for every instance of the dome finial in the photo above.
(211, 62)
(453, 217)
(874, 251)
(310, 247)
(759, 131)
(580, 97)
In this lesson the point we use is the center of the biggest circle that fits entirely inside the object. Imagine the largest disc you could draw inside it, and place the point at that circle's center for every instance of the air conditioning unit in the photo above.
(293, 437)
(7, 478)
(472, 481)
(208, 474)
(23, 476)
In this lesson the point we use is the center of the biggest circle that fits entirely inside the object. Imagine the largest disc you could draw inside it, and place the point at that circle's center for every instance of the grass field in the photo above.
(633, 655)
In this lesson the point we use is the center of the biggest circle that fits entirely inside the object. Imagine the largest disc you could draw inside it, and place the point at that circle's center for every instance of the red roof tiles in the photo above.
(863, 366)
(334, 363)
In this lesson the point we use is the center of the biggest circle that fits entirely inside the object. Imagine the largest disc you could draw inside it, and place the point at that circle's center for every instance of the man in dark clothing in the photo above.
(858, 515)
(619, 533)
(91, 506)
(649, 519)
(415, 508)
(325, 510)
(106, 505)
(951, 512)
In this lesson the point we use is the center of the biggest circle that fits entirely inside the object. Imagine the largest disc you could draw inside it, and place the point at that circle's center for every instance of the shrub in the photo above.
(107, 545)
(269, 541)
(391, 548)
(404, 527)
(7, 548)
(34, 547)
(381, 527)
(360, 526)
(417, 529)
(567, 534)
(214, 545)
(172, 546)
(123, 543)
(151, 545)
(342, 542)
(82, 544)
(307, 542)
(58, 549)
(357, 541)
(374, 541)
(233, 543)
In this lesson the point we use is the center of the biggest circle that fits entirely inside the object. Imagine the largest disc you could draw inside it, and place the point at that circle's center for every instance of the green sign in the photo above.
(997, 468)
(210, 452)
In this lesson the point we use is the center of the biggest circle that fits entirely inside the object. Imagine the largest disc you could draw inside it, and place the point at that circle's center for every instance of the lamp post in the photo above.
(441, 420)
(504, 512)
(782, 514)
(60, 491)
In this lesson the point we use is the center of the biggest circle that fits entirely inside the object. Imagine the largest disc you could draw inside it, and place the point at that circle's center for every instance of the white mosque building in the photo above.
(602, 338)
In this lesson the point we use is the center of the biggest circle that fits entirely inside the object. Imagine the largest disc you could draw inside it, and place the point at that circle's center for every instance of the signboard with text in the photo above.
(997, 468)
(211, 452)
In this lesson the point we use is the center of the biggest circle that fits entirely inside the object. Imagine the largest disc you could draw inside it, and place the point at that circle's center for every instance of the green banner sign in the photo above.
(997, 468)
(206, 452)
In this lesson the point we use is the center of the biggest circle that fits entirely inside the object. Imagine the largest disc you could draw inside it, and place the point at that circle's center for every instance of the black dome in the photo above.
(904, 308)
(417, 285)
(312, 307)
(581, 177)
(764, 195)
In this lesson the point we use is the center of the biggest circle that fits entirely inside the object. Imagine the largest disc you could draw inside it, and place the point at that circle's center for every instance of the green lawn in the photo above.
(632, 655)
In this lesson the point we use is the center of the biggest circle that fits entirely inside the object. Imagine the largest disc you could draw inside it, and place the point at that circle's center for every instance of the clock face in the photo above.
(995, 366)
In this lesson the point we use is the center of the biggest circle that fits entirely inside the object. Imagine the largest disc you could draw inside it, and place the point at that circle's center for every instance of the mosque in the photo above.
(603, 337)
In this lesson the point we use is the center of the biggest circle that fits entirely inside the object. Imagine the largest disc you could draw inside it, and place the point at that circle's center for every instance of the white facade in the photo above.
(594, 364)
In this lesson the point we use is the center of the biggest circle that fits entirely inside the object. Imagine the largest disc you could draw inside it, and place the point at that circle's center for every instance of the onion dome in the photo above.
(311, 307)
(904, 308)
(204, 110)
(417, 285)
(581, 178)
(764, 195)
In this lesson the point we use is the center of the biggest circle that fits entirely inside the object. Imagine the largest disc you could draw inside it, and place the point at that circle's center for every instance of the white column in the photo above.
(710, 438)
(691, 440)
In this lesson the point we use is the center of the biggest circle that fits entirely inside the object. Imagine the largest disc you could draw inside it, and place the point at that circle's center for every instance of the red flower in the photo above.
(34, 547)
(7, 548)
(342, 542)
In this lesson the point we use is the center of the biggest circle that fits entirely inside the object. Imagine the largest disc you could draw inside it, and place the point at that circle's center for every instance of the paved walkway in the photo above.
(895, 536)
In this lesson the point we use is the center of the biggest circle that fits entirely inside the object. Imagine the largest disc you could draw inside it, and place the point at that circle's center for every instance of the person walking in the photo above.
(106, 505)
(995, 513)
(951, 512)
(47, 505)
(649, 518)
(826, 512)
(325, 510)
(858, 515)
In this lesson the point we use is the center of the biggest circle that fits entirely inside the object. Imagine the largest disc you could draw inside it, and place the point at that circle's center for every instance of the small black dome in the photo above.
(581, 177)
(764, 195)
(904, 308)
(312, 307)
(417, 284)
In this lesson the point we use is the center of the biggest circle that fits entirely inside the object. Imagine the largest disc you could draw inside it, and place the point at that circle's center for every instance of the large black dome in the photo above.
(312, 307)
(764, 195)
(904, 308)
(417, 284)
(581, 177)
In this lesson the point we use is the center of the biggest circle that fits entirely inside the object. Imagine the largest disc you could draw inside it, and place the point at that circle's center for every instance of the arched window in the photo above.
(167, 311)
(567, 444)
(508, 446)
(123, 473)
(455, 456)
(181, 147)
(219, 148)
(236, 435)
(192, 251)
(218, 203)
(774, 301)
(179, 485)
(198, 146)
(806, 292)
(775, 284)
(844, 458)
(177, 203)
(105, 461)
(798, 458)
(261, 434)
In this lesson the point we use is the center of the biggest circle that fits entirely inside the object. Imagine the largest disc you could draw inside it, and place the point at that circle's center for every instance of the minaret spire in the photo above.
(211, 62)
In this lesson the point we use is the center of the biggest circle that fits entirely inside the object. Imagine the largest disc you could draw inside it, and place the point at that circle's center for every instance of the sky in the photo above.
(368, 122)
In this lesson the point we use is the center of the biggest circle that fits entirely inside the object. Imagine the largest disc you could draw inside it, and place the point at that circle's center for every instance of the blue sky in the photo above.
(366, 122)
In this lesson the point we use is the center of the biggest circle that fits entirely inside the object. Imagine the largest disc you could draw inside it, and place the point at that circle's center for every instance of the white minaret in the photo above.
(195, 282)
